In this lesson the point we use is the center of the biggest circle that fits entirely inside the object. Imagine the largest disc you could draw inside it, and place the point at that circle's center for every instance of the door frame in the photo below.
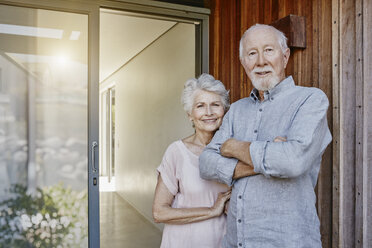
(170, 11)
(92, 8)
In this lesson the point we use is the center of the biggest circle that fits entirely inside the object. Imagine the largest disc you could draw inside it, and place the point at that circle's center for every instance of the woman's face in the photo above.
(207, 111)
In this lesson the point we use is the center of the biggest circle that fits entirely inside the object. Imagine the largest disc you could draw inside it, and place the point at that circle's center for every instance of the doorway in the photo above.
(50, 77)
(144, 62)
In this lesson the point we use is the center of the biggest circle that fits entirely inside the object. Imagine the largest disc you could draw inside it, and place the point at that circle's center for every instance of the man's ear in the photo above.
(242, 62)
(286, 54)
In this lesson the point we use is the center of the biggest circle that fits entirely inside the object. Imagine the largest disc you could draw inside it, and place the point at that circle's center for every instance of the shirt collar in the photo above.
(270, 94)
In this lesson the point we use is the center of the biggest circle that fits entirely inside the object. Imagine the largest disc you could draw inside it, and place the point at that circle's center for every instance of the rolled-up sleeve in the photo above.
(212, 165)
(307, 138)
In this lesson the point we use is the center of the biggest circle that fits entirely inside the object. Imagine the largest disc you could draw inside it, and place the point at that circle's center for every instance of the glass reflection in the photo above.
(43, 128)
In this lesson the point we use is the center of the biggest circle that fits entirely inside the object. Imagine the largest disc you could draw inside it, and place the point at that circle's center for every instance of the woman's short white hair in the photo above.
(204, 82)
(281, 37)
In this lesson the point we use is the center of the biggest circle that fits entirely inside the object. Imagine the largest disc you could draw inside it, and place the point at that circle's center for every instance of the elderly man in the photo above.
(269, 148)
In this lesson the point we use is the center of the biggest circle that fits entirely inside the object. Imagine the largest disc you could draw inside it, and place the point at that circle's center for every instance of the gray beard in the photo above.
(265, 84)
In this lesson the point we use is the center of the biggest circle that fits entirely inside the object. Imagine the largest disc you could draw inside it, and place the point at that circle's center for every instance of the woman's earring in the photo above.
(192, 121)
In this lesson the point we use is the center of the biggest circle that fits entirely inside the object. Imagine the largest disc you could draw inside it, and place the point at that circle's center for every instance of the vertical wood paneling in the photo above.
(214, 37)
(309, 72)
(317, 23)
(358, 243)
(347, 122)
(367, 123)
(234, 45)
(354, 35)
(336, 124)
(322, 61)
(282, 8)
(275, 10)
(338, 60)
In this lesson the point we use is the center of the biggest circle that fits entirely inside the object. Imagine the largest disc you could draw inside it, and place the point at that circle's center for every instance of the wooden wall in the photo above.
(352, 94)
(309, 67)
(338, 60)
(366, 225)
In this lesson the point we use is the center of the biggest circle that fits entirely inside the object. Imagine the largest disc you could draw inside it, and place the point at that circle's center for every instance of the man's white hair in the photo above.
(204, 82)
(281, 37)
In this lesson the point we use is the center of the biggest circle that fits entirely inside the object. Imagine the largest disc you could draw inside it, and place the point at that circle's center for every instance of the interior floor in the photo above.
(122, 226)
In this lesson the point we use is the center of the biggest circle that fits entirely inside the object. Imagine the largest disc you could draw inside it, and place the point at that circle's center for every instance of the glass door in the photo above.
(44, 113)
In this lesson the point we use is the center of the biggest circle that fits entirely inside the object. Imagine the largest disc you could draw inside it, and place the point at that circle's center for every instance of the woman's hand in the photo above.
(226, 209)
(164, 213)
(219, 206)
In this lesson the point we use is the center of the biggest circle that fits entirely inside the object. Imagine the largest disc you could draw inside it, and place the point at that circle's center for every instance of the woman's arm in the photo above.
(164, 213)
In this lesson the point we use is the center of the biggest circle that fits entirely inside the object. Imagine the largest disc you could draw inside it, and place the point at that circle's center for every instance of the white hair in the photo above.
(282, 40)
(204, 82)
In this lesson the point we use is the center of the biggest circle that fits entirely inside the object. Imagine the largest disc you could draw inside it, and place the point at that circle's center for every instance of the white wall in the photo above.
(118, 31)
(149, 115)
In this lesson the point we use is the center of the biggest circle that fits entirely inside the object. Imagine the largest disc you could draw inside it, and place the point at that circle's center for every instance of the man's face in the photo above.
(263, 59)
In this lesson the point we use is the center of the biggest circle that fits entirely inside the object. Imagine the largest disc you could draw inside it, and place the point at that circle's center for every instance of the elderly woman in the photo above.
(192, 208)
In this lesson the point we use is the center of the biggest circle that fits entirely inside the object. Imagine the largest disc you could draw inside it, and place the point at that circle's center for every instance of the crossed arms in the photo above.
(227, 158)
(233, 148)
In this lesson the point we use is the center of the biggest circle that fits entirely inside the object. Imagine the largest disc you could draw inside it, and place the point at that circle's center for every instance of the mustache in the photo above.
(263, 69)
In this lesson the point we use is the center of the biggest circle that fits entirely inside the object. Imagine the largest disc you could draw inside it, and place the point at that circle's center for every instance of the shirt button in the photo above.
(240, 244)
(240, 197)
(255, 131)
(239, 220)
(272, 98)
(260, 110)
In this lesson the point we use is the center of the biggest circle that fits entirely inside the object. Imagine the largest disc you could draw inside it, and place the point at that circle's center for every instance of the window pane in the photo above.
(43, 128)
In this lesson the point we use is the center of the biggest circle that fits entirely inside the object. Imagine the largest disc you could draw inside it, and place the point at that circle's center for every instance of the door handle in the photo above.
(94, 145)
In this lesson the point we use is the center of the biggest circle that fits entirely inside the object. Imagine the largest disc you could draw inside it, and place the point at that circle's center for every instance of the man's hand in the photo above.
(228, 148)
(280, 139)
(243, 170)
(233, 148)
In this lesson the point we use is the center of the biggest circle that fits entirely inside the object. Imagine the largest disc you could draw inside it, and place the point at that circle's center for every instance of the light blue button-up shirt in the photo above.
(275, 208)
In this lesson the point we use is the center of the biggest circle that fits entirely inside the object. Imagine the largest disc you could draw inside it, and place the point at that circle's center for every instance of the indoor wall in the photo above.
(149, 114)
